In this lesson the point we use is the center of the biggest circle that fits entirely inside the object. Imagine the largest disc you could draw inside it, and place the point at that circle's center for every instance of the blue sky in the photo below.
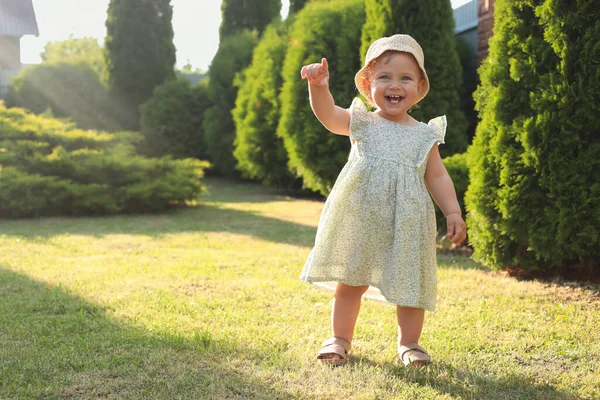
(195, 23)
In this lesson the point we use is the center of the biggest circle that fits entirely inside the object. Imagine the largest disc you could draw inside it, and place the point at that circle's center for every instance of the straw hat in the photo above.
(403, 43)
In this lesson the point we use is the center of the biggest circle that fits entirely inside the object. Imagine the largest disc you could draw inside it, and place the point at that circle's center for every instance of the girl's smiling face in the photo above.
(395, 84)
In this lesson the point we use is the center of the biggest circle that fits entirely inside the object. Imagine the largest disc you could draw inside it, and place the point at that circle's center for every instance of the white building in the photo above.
(17, 18)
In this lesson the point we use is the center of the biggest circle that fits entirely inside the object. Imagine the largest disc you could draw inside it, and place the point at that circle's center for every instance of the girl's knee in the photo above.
(344, 290)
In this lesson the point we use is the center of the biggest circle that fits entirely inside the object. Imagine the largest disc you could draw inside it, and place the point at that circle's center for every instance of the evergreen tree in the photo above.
(322, 29)
(234, 55)
(297, 5)
(431, 23)
(534, 196)
(139, 52)
(238, 15)
(259, 151)
(171, 121)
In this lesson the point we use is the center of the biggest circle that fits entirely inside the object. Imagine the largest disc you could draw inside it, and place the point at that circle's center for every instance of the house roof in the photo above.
(17, 18)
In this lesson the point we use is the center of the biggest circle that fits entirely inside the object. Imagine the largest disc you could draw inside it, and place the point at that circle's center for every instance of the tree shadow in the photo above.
(236, 191)
(55, 344)
(204, 218)
(465, 384)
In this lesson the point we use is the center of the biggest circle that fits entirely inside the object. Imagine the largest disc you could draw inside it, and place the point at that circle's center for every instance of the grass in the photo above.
(204, 303)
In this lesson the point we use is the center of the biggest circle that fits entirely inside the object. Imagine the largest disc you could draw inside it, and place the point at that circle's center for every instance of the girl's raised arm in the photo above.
(334, 118)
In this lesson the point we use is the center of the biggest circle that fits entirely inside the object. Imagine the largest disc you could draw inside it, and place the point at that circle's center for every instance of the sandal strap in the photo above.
(346, 345)
(403, 349)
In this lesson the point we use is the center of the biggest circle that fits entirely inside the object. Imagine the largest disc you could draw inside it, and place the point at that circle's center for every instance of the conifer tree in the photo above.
(234, 55)
(431, 23)
(534, 196)
(139, 52)
(238, 15)
(322, 29)
(259, 152)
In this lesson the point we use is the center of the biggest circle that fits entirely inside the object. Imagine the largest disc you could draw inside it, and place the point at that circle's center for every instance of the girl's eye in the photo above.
(384, 77)
(406, 78)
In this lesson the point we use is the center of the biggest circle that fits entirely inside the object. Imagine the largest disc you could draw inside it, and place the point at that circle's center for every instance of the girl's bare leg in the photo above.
(410, 325)
(346, 305)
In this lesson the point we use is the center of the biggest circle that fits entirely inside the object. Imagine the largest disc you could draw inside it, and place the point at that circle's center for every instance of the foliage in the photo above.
(240, 15)
(48, 167)
(321, 29)
(76, 50)
(534, 196)
(69, 89)
(297, 5)
(470, 78)
(172, 120)
(260, 153)
(431, 24)
(234, 54)
(458, 169)
(139, 52)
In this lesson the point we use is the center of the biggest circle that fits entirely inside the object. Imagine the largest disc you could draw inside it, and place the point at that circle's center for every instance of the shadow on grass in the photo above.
(204, 218)
(234, 191)
(54, 344)
(464, 384)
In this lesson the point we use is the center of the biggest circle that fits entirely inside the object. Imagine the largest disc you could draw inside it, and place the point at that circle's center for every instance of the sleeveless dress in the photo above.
(377, 226)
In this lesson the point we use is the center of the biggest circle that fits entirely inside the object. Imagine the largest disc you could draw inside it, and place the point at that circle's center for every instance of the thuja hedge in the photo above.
(50, 168)
(322, 29)
(260, 153)
(534, 196)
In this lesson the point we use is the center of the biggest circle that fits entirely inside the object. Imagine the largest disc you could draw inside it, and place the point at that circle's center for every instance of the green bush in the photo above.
(172, 120)
(534, 196)
(234, 55)
(69, 90)
(84, 172)
(139, 53)
(260, 153)
(330, 30)
(458, 169)
(431, 23)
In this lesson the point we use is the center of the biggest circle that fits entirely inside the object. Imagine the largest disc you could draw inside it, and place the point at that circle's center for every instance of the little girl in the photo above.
(378, 227)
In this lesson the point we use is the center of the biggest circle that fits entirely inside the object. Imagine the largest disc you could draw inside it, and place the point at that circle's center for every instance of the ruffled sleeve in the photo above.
(359, 119)
(438, 126)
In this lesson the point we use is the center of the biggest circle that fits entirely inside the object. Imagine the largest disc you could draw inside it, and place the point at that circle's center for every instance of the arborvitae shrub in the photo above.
(69, 90)
(172, 120)
(431, 24)
(139, 53)
(234, 55)
(458, 169)
(240, 15)
(330, 30)
(534, 197)
(260, 153)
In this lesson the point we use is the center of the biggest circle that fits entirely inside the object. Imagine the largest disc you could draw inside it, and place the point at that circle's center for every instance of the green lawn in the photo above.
(204, 303)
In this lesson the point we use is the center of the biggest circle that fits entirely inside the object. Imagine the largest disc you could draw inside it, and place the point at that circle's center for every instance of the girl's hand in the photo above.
(317, 74)
(456, 228)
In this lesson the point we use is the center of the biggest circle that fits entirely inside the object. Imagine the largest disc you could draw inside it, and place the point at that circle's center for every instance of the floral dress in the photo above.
(377, 226)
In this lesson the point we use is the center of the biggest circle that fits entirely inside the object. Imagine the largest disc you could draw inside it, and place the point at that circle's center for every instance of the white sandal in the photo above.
(337, 346)
(411, 353)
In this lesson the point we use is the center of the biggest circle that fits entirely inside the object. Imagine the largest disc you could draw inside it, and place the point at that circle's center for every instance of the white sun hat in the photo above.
(403, 43)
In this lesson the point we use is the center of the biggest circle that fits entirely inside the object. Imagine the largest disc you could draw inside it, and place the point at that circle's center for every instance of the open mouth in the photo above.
(394, 99)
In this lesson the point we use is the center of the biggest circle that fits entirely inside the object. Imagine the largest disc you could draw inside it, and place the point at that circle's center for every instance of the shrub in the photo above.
(234, 55)
(78, 172)
(534, 196)
(458, 169)
(172, 120)
(260, 153)
(321, 29)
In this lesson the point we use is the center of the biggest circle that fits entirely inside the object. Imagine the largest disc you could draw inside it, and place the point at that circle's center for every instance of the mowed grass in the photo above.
(205, 303)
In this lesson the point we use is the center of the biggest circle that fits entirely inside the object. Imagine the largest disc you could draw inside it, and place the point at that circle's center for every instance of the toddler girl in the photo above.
(378, 227)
